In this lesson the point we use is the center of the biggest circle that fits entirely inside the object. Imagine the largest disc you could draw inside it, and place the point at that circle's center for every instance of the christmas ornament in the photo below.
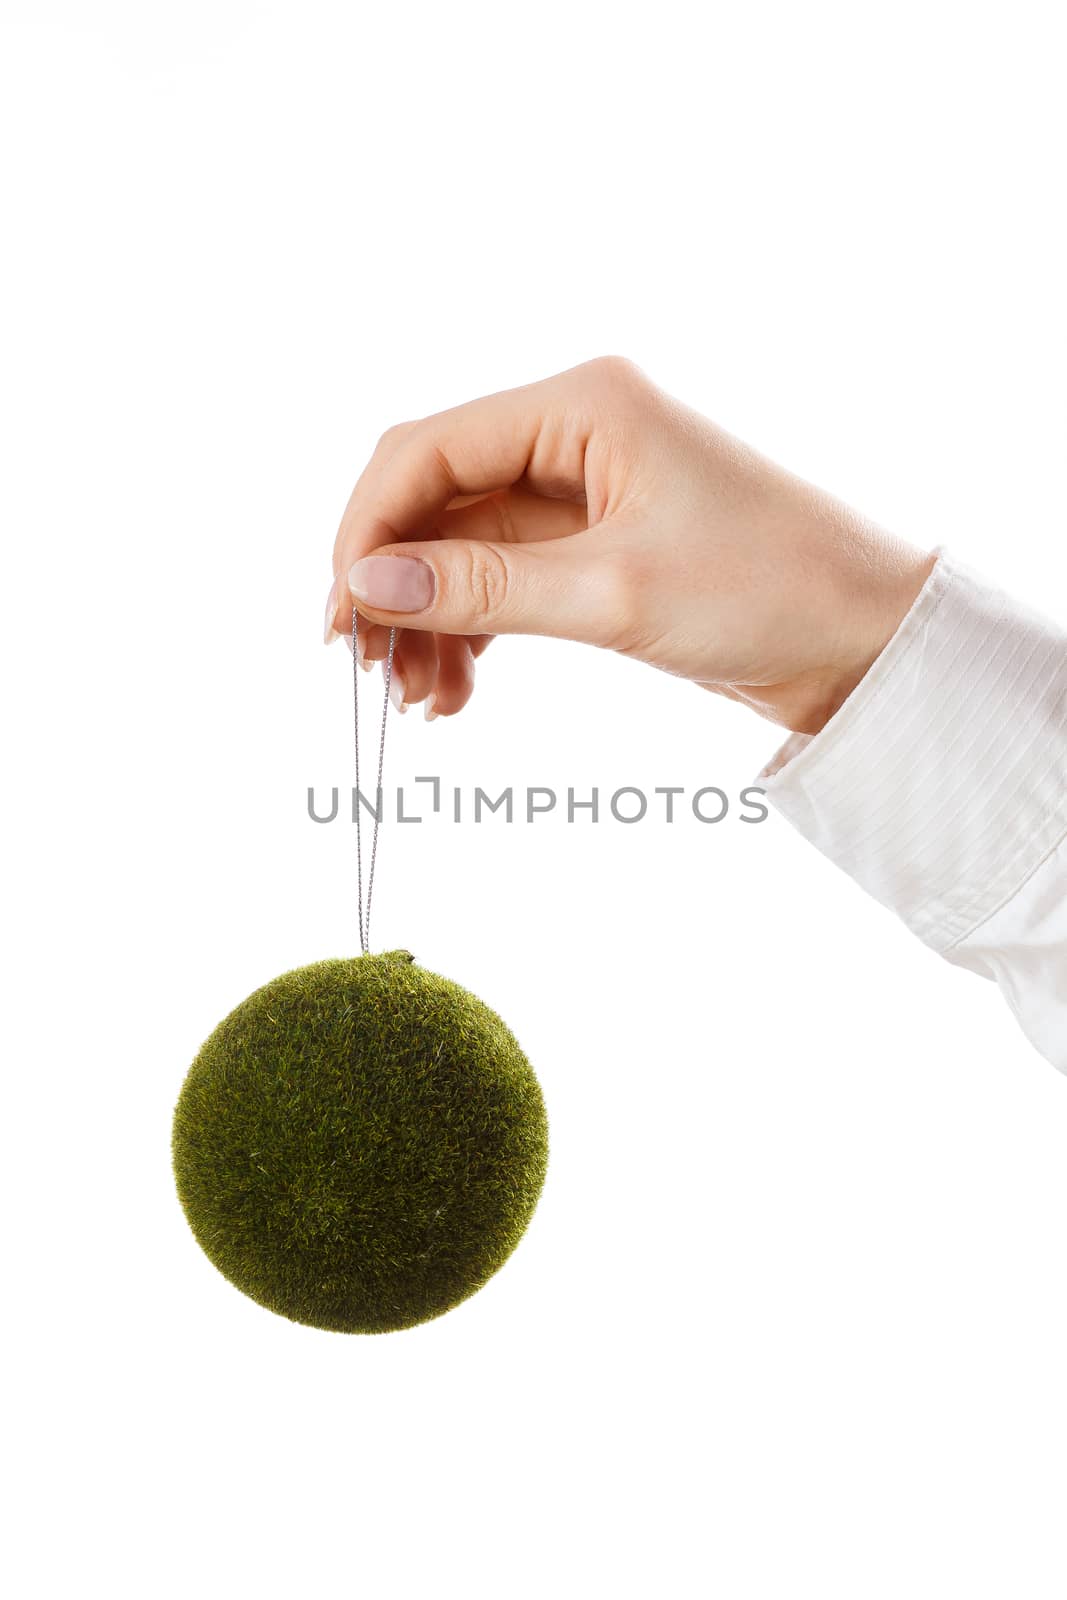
(360, 1145)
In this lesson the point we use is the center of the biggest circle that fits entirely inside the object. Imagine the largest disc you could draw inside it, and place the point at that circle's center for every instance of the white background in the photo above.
(790, 1318)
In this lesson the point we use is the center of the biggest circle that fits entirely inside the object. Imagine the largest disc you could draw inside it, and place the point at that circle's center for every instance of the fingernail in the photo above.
(393, 583)
(330, 633)
(397, 688)
(431, 707)
(361, 654)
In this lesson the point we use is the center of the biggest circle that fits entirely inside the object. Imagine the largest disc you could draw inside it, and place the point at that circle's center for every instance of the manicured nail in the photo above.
(431, 707)
(393, 583)
(330, 633)
(397, 688)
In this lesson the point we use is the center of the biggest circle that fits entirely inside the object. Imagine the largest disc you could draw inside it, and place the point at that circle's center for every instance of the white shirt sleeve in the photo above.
(941, 786)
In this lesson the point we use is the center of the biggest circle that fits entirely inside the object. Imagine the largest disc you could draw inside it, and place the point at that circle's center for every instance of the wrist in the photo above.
(864, 610)
(883, 586)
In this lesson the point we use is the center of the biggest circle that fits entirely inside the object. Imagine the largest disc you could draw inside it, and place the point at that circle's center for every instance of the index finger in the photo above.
(537, 432)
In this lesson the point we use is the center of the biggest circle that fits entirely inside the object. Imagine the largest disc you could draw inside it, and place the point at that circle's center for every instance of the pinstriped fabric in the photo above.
(941, 783)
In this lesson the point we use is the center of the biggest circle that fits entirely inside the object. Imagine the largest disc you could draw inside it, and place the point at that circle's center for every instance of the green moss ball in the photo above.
(360, 1145)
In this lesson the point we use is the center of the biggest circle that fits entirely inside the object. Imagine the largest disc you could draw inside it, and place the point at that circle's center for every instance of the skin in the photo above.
(594, 506)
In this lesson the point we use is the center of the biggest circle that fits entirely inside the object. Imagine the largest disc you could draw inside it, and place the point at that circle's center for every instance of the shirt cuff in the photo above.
(940, 784)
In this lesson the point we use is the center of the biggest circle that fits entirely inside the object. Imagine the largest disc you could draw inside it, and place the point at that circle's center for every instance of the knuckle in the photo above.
(617, 372)
(621, 588)
(444, 467)
(498, 507)
(394, 435)
(488, 581)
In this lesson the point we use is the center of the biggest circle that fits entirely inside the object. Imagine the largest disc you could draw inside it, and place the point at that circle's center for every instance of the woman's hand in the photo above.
(593, 506)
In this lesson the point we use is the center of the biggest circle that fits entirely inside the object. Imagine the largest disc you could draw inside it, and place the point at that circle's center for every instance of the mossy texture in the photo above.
(360, 1145)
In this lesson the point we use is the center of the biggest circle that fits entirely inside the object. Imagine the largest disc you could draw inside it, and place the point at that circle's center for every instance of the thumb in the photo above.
(568, 588)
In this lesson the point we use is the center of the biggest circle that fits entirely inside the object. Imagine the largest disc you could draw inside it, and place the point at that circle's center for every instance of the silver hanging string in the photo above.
(364, 910)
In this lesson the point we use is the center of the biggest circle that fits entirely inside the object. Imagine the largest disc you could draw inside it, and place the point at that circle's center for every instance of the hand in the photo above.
(594, 506)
